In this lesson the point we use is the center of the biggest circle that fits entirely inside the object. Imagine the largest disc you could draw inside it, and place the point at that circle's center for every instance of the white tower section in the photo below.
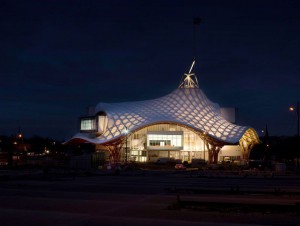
(190, 80)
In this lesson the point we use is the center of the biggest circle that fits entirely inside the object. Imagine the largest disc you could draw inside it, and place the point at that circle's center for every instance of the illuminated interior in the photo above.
(87, 124)
(159, 140)
(166, 141)
(180, 125)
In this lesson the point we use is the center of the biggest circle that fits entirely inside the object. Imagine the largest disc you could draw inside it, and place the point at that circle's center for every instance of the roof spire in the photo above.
(190, 80)
(197, 21)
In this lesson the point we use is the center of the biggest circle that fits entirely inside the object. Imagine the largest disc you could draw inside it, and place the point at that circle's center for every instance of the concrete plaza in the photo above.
(146, 198)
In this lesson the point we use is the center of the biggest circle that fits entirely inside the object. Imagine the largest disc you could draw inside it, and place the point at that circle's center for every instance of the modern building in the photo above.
(183, 125)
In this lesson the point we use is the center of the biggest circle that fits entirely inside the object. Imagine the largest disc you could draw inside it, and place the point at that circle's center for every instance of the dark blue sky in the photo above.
(59, 57)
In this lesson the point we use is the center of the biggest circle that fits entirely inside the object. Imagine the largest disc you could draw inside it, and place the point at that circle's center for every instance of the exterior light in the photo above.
(192, 66)
(296, 109)
(204, 141)
(126, 137)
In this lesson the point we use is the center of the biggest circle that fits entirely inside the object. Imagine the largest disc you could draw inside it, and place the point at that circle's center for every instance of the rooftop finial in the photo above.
(190, 80)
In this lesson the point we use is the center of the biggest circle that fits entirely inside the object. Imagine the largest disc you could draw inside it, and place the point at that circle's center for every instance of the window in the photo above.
(87, 124)
(135, 152)
(164, 141)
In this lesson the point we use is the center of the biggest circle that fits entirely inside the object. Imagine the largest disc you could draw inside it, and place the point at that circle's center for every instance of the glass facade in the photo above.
(166, 141)
(87, 124)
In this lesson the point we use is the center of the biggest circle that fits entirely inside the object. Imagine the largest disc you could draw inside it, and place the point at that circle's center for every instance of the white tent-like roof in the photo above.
(187, 106)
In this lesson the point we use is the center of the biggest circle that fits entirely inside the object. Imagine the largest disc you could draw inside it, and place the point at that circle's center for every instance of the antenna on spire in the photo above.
(197, 21)
(190, 80)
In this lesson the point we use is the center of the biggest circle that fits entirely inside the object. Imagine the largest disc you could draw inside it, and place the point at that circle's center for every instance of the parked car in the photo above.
(165, 160)
(180, 166)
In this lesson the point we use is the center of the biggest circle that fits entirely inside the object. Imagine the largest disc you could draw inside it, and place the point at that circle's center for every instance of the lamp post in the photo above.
(20, 135)
(204, 133)
(126, 136)
(297, 141)
(297, 113)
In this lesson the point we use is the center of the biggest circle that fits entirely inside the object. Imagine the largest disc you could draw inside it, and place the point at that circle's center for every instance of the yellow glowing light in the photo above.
(126, 130)
(192, 67)
(292, 109)
(20, 135)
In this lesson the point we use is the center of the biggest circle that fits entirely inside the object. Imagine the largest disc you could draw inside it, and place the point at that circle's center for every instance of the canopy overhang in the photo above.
(187, 107)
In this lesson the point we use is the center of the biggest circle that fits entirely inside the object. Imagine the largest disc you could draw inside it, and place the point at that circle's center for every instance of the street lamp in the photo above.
(297, 113)
(204, 133)
(126, 136)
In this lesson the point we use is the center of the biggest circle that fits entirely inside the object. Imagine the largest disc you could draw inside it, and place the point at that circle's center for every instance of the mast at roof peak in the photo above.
(190, 80)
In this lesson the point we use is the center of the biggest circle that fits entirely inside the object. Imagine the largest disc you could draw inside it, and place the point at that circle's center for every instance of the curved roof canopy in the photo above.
(187, 106)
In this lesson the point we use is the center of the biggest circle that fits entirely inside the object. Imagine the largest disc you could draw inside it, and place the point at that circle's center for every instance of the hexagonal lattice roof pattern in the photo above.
(184, 106)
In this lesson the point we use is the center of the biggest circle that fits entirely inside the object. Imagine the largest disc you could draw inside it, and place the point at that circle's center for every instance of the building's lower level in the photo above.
(170, 142)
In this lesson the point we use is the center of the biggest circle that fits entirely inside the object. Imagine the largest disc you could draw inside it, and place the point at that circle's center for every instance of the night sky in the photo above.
(60, 57)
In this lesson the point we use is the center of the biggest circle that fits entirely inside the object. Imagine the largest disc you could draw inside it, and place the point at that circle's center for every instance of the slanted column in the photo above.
(213, 153)
(115, 151)
(213, 148)
(246, 149)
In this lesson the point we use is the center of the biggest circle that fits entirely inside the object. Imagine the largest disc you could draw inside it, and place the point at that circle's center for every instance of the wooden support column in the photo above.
(246, 149)
(213, 153)
(243, 149)
(212, 147)
(115, 151)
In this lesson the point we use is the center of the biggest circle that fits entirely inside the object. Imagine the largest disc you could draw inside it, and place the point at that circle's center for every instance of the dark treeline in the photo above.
(281, 149)
(35, 144)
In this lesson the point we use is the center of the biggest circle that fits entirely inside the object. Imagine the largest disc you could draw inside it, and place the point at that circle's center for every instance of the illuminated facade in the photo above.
(183, 125)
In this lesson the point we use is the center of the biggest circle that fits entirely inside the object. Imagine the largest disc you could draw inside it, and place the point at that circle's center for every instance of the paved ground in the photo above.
(146, 198)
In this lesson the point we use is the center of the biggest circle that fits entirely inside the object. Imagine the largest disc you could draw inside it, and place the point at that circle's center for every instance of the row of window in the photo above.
(160, 143)
(87, 124)
(164, 140)
(141, 153)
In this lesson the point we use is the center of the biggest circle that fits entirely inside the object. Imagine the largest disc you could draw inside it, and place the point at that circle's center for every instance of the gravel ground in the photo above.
(148, 198)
